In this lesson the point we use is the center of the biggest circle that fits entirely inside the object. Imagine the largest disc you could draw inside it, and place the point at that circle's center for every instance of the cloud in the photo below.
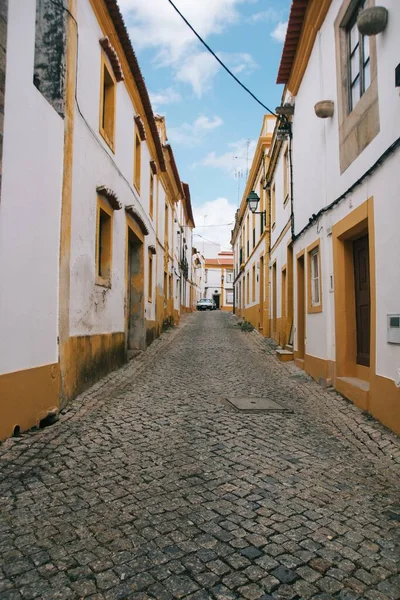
(235, 161)
(191, 134)
(218, 215)
(264, 16)
(238, 62)
(198, 70)
(166, 96)
(279, 33)
(155, 25)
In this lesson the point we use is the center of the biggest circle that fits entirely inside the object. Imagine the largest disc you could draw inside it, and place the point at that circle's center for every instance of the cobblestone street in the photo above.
(152, 486)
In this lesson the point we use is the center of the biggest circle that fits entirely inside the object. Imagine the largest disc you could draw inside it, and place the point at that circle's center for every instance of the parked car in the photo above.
(205, 304)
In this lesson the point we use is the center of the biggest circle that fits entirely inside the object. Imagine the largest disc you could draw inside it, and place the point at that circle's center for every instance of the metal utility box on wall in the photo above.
(393, 329)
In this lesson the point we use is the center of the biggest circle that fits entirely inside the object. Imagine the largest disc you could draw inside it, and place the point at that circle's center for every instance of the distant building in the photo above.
(219, 280)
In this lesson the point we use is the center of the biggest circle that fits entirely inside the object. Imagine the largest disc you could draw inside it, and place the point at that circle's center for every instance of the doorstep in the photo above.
(355, 389)
(284, 355)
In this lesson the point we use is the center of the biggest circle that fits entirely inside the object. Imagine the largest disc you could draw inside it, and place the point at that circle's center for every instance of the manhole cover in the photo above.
(250, 404)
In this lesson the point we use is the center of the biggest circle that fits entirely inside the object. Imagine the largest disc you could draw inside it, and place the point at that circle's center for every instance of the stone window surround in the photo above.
(359, 127)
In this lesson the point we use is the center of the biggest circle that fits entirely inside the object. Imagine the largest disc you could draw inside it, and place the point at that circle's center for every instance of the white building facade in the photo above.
(96, 210)
(346, 159)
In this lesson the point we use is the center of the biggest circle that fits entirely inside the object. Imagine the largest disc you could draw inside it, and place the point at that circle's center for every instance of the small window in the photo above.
(166, 225)
(315, 278)
(254, 284)
(107, 104)
(248, 289)
(359, 64)
(229, 297)
(150, 282)
(104, 246)
(229, 277)
(151, 195)
(137, 161)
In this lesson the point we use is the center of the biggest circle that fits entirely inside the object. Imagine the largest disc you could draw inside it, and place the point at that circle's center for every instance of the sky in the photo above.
(212, 124)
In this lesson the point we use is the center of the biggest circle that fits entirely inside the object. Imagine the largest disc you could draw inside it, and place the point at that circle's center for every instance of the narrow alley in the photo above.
(151, 485)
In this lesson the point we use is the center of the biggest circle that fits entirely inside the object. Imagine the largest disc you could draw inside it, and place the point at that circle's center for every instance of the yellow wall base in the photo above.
(384, 402)
(90, 357)
(27, 396)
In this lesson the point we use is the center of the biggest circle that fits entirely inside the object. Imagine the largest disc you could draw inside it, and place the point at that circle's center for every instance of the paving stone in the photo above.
(150, 486)
(284, 574)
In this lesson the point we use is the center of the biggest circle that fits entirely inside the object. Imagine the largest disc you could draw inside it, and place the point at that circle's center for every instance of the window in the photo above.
(107, 103)
(248, 289)
(229, 297)
(229, 277)
(150, 281)
(137, 161)
(253, 294)
(357, 83)
(273, 206)
(165, 286)
(103, 244)
(151, 195)
(262, 208)
(171, 288)
(283, 294)
(359, 64)
(286, 176)
(248, 235)
(166, 225)
(314, 278)
(254, 237)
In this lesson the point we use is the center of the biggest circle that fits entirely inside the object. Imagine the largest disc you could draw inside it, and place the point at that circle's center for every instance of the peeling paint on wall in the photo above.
(49, 74)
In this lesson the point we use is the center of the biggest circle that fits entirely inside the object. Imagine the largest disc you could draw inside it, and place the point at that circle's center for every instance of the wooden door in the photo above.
(362, 299)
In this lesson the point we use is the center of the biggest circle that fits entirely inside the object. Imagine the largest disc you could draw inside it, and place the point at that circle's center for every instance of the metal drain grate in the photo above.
(250, 404)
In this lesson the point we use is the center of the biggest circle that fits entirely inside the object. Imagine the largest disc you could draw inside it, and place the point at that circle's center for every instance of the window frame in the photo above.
(312, 251)
(100, 279)
(352, 23)
(108, 136)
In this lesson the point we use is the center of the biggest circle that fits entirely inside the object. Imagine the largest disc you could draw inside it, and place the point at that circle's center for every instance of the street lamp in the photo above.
(252, 202)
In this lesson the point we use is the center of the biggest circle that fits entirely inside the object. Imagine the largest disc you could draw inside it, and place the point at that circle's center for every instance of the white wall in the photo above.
(30, 207)
(318, 182)
(95, 309)
(317, 176)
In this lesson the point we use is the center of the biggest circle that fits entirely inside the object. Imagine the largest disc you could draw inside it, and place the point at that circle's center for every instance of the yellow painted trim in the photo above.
(318, 307)
(66, 207)
(27, 397)
(105, 64)
(315, 15)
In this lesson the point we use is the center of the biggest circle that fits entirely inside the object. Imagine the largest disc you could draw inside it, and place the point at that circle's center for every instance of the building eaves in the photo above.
(293, 33)
(174, 168)
(188, 203)
(120, 28)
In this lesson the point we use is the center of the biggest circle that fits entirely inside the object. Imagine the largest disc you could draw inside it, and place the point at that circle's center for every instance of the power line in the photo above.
(223, 65)
(219, 225)
(203, 238)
